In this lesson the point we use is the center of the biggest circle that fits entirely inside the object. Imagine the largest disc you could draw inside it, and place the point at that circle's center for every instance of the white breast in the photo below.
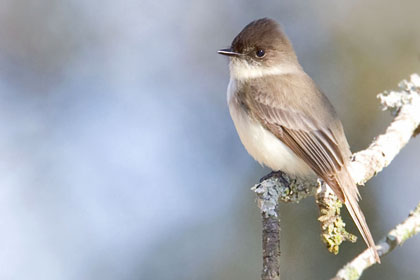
(261, 144)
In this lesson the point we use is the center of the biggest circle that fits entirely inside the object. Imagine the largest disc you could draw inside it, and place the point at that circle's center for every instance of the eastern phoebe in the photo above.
(284, 121)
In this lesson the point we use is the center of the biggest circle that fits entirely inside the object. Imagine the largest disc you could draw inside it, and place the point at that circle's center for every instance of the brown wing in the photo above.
(315, 145)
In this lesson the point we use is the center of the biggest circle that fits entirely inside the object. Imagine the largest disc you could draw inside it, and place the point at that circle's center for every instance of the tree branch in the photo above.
(396, 237)
(405, 105)
(271, 247)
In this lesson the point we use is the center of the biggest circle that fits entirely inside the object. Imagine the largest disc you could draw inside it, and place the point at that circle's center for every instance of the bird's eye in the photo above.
(260, 53)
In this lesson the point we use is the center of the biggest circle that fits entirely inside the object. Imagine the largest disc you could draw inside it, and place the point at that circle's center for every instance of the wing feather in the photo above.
(312, 142)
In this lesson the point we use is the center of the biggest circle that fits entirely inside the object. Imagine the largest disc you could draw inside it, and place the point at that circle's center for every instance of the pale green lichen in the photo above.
(333, 231)
(404, 232)
(352, 273)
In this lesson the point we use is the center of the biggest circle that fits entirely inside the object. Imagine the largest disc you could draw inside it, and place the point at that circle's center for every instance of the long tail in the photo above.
(351, 195)
(358, 217)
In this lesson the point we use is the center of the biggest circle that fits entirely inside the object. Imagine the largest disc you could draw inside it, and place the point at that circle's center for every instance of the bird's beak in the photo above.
(228, 52)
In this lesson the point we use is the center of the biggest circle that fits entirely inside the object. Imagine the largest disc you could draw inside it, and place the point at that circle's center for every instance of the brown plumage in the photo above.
(285, 101)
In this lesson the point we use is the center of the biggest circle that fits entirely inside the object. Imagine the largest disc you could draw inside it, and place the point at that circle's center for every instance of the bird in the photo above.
(284, 120)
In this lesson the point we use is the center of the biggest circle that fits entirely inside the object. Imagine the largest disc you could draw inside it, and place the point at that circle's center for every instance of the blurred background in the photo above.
(118, 157)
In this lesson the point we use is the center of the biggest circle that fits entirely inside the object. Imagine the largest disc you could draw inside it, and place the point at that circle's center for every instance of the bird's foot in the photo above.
(275, 174)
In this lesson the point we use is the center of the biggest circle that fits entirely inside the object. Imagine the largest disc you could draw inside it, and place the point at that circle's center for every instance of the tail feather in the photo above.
(358, 217)
(344, 187)
(351, 196)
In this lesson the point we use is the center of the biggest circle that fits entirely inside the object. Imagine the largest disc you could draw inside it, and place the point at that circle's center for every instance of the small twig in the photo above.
(406, 106)
(272, 188)
(396, 237)
(271, 247)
